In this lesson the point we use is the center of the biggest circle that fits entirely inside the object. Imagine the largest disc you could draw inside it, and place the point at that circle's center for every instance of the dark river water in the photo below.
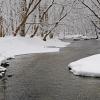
(46, 76)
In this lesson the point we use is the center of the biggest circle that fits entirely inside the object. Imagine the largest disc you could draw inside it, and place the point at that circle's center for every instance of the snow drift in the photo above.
(89, 66)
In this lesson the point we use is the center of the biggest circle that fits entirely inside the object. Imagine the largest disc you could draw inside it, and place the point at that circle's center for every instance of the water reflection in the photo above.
(3, 87)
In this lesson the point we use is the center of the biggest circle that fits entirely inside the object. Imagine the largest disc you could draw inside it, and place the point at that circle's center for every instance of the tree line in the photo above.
(40, 10)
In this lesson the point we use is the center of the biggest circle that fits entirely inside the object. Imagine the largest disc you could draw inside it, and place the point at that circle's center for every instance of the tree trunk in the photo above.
(1, 27)
(22, 16)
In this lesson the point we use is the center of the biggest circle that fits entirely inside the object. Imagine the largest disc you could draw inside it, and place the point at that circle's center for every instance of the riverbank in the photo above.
(46, 76)
(12, 46)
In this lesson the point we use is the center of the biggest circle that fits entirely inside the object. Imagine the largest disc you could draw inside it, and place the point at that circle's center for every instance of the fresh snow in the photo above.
(89, 66)
(56, 43)
(11, 46)
(79, 37)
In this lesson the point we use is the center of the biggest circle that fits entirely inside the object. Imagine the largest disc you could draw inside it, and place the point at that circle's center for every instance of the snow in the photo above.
(73, 36)
(11, 46)
(2, 69)
(56, 43)
(80, 37)
(89, 66)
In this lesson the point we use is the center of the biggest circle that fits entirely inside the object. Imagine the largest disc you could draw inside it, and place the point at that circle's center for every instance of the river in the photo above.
(46, 76)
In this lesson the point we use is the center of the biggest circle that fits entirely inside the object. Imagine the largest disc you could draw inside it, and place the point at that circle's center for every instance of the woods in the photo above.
(41, 42)
(95, 16)
(49, 18)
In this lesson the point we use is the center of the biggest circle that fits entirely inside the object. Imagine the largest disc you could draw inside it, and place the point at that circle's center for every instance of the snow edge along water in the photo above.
(12, 46)
(88, 66)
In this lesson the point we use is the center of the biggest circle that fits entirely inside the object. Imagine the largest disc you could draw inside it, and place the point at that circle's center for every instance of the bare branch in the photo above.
(35, 32)
(41, 18)
(62, 11)
(34, 7)
(95, 25)
(25, 17)
(57, 23)
(95, 4)
(90, 9)
(98, 2)
(47, 9)
(30, 3)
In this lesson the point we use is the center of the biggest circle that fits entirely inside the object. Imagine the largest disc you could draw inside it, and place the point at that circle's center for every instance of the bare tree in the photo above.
(23, 13)
(42, 18)
(62, 16)
(1, 26)
(1, 22)
(96, 13)
(28, 11)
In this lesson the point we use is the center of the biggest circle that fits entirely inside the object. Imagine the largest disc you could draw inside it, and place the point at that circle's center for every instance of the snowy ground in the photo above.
(11, 46)
(89, 66)
(79, 37)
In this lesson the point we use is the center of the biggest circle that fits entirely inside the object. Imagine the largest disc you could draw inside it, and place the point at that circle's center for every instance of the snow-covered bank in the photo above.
(11, 46)
(89, 66)
(79, 37)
